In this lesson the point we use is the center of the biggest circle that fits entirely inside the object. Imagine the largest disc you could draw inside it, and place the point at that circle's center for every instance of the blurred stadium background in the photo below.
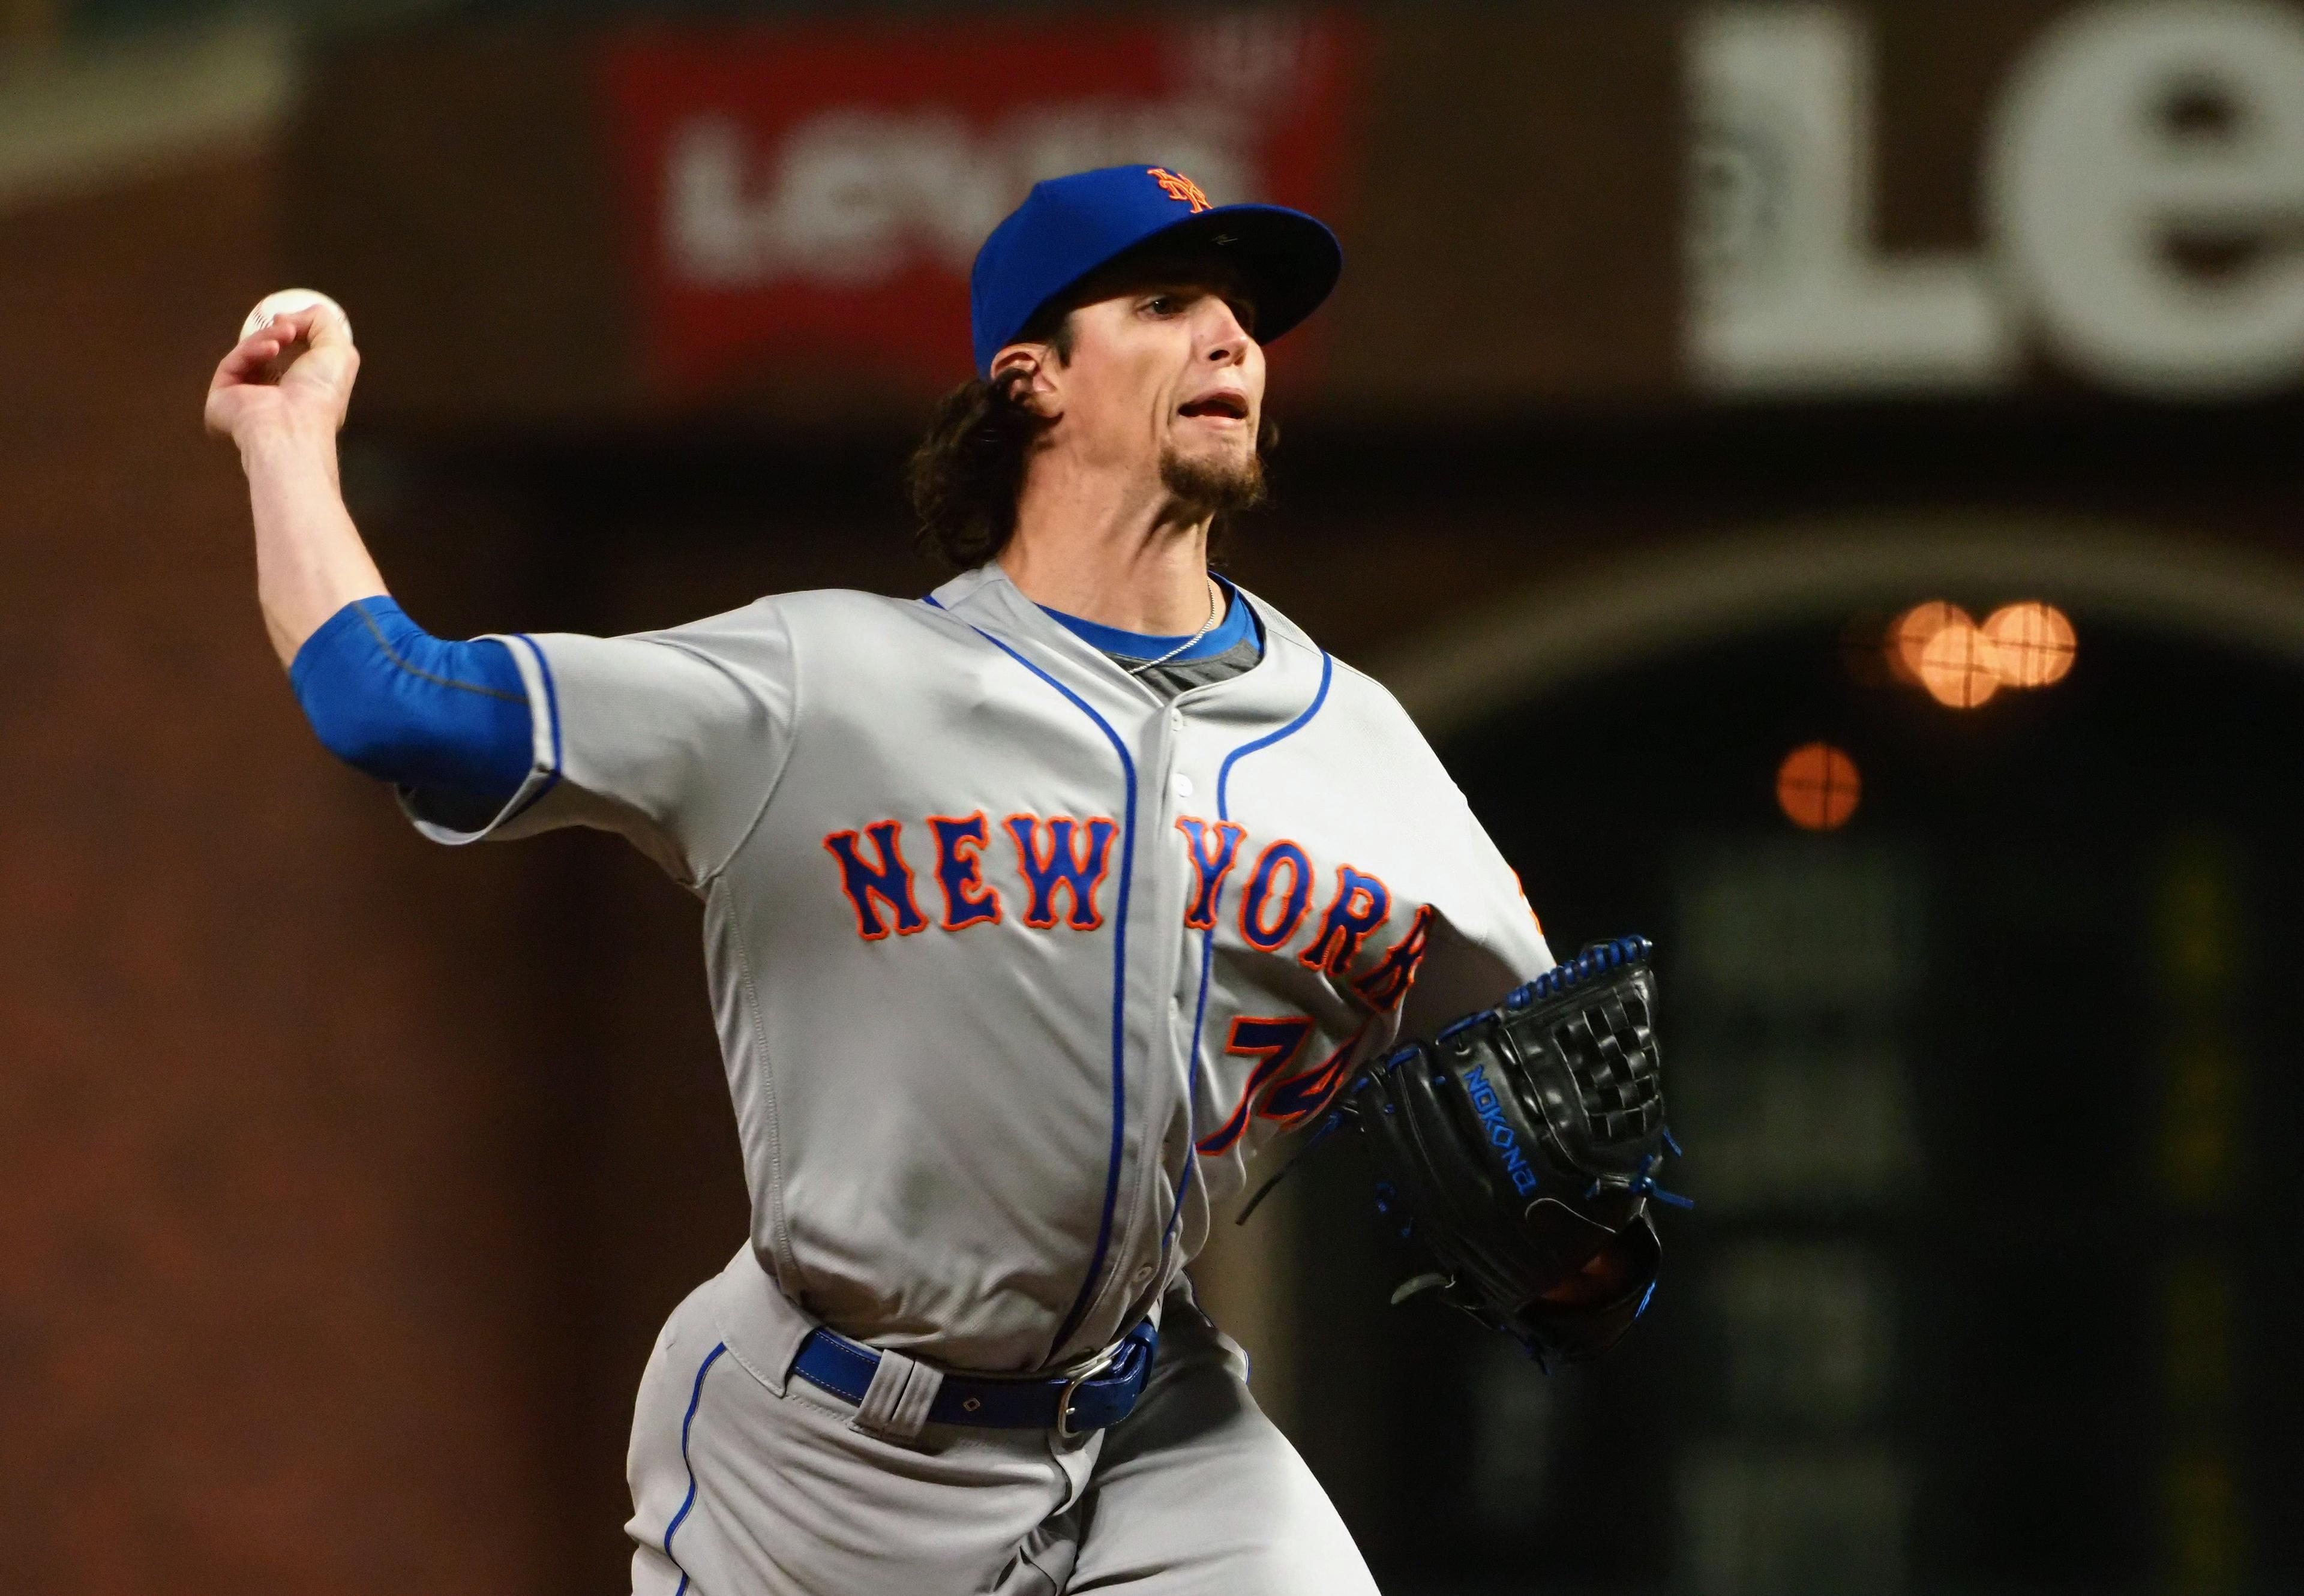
(1827, 475)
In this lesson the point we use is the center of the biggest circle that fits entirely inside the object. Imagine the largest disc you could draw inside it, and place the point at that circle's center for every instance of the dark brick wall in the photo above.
(267, 1212)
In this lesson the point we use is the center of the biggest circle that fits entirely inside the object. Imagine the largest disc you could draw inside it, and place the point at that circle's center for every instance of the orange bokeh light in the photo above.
(1960, 666)
(2033, 644)
(1913, 631)
(1818, 786)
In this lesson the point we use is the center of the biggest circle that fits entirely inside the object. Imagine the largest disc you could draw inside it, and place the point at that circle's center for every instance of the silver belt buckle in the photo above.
(1095, 1366)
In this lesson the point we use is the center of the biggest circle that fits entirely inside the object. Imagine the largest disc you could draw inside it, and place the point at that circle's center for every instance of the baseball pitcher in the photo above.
(1032, 909)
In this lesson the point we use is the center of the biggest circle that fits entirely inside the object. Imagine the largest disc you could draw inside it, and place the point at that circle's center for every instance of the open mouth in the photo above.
(1225, 406)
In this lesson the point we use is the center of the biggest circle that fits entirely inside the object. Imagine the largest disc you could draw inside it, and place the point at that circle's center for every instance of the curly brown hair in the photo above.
(965, 476)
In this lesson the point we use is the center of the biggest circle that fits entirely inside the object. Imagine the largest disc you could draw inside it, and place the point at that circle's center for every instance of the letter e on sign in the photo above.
(2146, 181)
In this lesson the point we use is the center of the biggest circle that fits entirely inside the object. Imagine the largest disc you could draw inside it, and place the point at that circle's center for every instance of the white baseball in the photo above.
(289, 299)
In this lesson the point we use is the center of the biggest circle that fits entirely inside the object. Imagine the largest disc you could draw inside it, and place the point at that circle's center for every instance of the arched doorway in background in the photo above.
(1985, 1093)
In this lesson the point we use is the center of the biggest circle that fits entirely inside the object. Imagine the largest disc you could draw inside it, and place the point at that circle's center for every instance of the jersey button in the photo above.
(1184, 786)
(1143, 1274)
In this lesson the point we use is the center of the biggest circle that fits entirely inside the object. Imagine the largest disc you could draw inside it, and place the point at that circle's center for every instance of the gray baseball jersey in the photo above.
(1015, 961)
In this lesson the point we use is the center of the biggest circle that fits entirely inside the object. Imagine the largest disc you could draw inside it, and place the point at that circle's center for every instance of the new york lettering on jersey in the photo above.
(1063, 856)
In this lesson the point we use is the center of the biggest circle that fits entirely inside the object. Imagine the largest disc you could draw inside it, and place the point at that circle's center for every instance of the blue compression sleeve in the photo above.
(388, 697)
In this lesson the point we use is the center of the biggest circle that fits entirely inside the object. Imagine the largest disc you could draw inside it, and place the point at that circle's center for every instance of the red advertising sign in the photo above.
(809, 198)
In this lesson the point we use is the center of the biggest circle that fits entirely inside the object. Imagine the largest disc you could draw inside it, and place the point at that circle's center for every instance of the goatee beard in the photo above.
(1213, 486)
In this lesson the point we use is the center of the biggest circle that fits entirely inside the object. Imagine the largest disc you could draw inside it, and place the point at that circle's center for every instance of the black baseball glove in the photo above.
(1520, 1148)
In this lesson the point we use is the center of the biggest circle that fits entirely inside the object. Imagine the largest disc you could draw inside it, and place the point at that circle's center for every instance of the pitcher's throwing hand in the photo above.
(294, 363)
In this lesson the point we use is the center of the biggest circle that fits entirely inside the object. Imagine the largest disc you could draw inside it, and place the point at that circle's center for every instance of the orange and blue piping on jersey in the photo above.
(1093, 1276)
(1209, 938)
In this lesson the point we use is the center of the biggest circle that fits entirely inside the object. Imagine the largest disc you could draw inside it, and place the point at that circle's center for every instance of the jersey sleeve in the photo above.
(1485, 939)
(672, 740)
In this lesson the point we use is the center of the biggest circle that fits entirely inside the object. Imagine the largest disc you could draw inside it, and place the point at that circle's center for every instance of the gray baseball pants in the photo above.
(746, 1484)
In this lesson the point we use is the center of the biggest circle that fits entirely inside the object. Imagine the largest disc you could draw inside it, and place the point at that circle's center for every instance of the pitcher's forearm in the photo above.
(309, 559)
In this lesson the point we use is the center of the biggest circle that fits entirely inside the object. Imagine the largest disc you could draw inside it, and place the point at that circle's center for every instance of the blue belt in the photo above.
(1096, 1398)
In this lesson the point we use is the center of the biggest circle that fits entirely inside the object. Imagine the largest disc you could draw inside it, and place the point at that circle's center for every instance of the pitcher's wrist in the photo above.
(275, 440)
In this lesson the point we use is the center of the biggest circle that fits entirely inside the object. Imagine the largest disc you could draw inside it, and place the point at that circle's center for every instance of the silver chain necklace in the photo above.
(1216, 610)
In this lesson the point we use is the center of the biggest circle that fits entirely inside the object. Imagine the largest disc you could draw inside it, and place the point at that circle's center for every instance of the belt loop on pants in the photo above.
(897, 1403)
(1098, 1395)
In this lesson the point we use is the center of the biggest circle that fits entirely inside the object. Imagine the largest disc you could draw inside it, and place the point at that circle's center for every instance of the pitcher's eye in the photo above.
(1165, 304)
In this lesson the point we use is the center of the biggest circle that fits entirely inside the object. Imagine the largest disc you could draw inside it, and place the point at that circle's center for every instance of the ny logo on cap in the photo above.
(1179, 187)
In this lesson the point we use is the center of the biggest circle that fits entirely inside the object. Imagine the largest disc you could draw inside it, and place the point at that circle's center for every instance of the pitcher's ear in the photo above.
(1025, 369)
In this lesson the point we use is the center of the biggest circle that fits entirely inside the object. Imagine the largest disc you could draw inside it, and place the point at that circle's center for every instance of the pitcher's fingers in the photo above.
(324, 327)
(245, 362)
(319, 325)
(247, 359)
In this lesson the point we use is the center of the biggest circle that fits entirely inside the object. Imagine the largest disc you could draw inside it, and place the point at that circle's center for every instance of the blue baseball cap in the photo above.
(1070, 226)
